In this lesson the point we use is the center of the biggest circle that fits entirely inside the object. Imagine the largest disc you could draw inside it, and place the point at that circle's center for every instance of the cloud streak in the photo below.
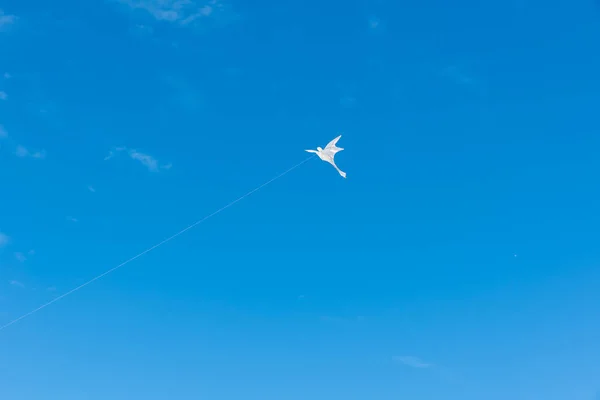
(114, 152)
(22, 257)
(146, 160)
(22, 151)
(4, 240)
(182, 12)
(413, 362)
(6, 19)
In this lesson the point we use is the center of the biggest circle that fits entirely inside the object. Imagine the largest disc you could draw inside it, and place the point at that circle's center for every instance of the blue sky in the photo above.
(459, 260)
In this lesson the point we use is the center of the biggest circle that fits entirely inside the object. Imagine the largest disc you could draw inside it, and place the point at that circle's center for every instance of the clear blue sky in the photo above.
(458, 261)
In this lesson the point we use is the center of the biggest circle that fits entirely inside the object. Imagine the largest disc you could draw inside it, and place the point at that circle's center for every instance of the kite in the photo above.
(328, 153)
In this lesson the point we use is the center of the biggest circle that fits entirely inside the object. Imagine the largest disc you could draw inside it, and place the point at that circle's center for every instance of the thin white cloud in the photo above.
(22, 151)
(17, 283)
(72, 219)
(182, 12)
(168, 10)
(22, 257)
(7, 75)
(4, 239)
(6, 19)
(91, 189)
(145, 159)
(114, 152)
(38, 154)
(3, 95)
(411, 361)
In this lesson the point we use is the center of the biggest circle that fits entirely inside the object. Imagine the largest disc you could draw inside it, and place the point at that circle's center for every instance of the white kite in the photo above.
(328, 153)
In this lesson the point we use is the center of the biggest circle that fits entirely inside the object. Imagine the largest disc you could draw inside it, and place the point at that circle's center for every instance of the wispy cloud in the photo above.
(411, 361)
(22, 257)
(4, 239)
(17, 284)
(91, 189)
(114, 152)
(183, 12)
(72, 219)
(3, 95)
(22, 151)
(6, 20)
(7, 75)
(145, 159)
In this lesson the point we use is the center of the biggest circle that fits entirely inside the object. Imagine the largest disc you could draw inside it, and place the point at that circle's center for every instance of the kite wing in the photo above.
(331, 146)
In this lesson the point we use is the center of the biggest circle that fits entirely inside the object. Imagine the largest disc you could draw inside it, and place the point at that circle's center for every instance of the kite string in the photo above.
(151, 248)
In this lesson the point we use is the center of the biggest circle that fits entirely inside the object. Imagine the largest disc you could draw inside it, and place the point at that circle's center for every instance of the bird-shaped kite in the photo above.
(328, 153)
